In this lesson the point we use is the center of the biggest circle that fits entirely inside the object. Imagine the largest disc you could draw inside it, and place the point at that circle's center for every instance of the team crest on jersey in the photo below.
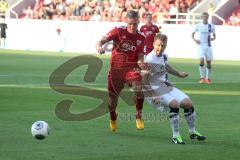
(123, 37)
(139, 42)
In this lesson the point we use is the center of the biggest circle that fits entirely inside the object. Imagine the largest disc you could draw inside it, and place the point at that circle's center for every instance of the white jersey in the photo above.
(159, 72)
(204, 32)
(160, 84)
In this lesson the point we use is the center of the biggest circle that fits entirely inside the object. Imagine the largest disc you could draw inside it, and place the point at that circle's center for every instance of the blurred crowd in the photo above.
(102, 10)
(234, 19)
(112, 10)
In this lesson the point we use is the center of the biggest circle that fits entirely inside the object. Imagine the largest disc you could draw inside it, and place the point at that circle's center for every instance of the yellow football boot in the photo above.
(139, 124)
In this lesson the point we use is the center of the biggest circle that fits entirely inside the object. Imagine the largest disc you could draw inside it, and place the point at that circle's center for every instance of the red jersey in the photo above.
(149, 31)
(126, 47)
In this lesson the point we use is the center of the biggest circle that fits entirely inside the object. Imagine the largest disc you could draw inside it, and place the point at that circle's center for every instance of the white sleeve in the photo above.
(196, 28)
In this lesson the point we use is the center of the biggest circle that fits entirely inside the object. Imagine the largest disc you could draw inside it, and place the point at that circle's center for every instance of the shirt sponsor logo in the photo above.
(149, 33)
(139, 42)
(127, 46)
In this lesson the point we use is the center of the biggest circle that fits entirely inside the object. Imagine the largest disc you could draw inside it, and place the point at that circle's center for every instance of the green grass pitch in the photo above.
(26, 97)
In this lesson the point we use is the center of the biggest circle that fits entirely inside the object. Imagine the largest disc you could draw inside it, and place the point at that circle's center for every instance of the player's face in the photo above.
(205, 18)
(149, 19)
(132, 25)
(159, 46)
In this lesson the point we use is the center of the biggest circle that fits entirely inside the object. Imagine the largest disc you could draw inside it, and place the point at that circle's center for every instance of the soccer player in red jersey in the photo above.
(149, 30)
(127, 55)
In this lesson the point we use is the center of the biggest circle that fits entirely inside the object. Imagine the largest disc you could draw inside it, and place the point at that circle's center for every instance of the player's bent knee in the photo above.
(112, 105)
(174, 104)
(136, 84)
(186, 103)
(137, 87)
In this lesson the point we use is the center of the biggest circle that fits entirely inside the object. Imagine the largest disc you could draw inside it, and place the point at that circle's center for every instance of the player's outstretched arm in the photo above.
(174, 72)
(99, 45)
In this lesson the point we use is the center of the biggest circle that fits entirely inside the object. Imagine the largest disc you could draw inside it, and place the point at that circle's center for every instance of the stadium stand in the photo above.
(234, 18)
(102, 10)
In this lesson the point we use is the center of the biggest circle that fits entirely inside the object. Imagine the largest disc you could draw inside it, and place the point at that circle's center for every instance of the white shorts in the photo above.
(205, 52)
(167, 98)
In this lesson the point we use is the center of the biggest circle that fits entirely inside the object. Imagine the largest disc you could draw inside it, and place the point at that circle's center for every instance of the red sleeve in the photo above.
(112, 35)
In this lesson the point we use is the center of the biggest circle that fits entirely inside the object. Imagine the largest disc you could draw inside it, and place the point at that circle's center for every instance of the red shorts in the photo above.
(119, 77)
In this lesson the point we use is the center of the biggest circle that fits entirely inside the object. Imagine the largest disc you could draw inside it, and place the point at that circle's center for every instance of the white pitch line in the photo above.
(101, 75)
(195, 92)
(105, 84)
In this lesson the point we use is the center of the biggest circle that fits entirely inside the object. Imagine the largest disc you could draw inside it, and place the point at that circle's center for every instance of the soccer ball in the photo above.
(40, 130)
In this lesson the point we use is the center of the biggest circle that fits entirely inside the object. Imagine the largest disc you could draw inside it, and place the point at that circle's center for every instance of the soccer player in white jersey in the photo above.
(169, 96)
(206, 35)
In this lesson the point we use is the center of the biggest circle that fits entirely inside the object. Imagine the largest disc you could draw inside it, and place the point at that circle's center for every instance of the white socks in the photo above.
(208, 73)
(202, 71)
(191, 118)
(174, 122)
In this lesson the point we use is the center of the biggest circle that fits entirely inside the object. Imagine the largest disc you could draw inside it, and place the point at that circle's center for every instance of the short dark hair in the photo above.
(205, 13)
(161, 37)
(132, 14)
(148, 14)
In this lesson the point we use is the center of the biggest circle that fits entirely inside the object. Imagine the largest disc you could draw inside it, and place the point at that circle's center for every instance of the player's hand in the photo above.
(197, 41)
(183, 74)
(137, 70)
(144, 73)
(143, 66)
(100, 50)
(156, 100)
(212, 39)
